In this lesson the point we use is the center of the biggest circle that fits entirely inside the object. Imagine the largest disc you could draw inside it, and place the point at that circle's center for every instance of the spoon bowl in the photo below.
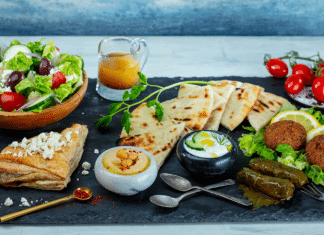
(87, 191)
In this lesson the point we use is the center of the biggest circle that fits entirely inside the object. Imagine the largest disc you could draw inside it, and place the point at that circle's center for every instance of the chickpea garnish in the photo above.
(121, 154)
(132, 156)
(127, 162)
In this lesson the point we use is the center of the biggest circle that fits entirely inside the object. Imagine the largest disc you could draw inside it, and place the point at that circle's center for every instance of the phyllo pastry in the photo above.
(45, 161)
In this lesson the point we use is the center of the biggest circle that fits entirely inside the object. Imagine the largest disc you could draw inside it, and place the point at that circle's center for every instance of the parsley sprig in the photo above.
(135, 92)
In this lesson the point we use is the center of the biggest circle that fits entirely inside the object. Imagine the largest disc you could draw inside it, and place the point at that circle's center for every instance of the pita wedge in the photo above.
(266, 106)
(45, 161)
(187, 88)
(145, 120)
(159, 142)
(193, 108)
(223, 92)
(239, 105)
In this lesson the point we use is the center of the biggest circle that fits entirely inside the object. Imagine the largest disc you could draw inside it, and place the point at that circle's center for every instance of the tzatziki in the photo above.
(207, 144)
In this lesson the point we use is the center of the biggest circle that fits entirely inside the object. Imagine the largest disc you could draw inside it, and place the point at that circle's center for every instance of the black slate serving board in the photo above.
(116, 209)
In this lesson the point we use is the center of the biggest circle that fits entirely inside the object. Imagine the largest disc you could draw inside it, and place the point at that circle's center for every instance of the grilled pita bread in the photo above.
(239, 105)
(193, 108)
(266, 106)
(222, 92)
(145, 120)
(159, 143)
(19, 167)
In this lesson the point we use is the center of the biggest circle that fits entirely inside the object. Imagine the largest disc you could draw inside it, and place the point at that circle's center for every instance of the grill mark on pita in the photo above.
(155, 116)
(196, 127)
(187, 108)
(206, 95)
(264, 104)
(256, 110)
(144, 124)
(279, 103)
(270, 102)
(237, 88)
(231, 117)
(182, 120)
(156, 152)
(174, 107)
(219, 109)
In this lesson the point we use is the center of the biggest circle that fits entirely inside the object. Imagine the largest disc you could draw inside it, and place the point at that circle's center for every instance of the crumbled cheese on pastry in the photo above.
(86, 165)
(24, 202)
(44, 144)
(8, 202)
(15, 154)
(68, 136)
(96, 151)
(77, 132)
(8, 152)
(85, 172)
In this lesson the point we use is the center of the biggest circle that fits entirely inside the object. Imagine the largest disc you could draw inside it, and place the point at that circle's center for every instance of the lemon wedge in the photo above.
(316, 131)
(305, 119)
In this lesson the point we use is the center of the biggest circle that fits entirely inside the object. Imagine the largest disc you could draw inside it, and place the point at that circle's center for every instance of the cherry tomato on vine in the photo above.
(10, 101)
(277, 68)
(305, 71)
(294, 84)
(318, 89)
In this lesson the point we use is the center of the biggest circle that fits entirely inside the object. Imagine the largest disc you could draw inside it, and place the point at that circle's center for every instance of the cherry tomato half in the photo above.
(10, 101)
(318, 89)
(58, 79)
(305, 71)
(294, 84)
(277, 68)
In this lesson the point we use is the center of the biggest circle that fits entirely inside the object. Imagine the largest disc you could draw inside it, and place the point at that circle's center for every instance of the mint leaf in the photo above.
(142, 78)
(136, 91)
(159, 110)
(114, 107)
(151, 103)
(126, 95)
(125, 120)
(104, 121)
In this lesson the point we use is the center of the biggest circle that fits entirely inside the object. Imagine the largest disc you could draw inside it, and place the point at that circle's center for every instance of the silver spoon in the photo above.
(167, 201)
(182, 184)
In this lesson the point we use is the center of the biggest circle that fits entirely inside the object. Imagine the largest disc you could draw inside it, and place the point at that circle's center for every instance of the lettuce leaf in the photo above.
(19, 62)
(24, 87)
(14, 42)
(64, 91)
(36, 47)
(70, 65)
(49, 50)
(43, 83)
(316, 174)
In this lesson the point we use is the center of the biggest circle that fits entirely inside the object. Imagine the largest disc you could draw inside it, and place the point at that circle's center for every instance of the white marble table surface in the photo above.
(187, 57)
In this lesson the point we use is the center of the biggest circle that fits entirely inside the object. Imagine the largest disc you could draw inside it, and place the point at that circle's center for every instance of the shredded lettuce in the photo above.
(253, 143)
(19, 62)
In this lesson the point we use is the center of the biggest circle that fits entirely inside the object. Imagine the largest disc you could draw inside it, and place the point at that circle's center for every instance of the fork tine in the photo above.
(310, 192)
(312, 195)
(316, 189)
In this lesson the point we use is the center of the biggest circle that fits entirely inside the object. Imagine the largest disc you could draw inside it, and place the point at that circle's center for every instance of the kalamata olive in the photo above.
(14, 78)
(45, 67)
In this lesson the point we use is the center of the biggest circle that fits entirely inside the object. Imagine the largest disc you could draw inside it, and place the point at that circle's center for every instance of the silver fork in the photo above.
(312, 191)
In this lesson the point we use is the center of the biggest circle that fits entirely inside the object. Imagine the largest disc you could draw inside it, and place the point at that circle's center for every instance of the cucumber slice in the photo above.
(43, 102)
(201, 135)
(192, 145)
(13, 50)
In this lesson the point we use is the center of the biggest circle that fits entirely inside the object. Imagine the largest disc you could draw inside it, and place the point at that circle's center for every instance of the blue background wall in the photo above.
(162, 17)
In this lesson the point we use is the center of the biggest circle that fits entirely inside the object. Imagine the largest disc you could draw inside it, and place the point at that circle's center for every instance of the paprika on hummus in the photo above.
(126, 161)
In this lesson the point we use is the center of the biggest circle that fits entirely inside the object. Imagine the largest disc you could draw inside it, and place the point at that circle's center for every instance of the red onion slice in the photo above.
(57, 101)
(28, 104)
(34, 55)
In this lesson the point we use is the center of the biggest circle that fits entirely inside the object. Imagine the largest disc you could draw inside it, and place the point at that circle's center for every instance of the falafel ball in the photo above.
(315, 151)
(285, 132)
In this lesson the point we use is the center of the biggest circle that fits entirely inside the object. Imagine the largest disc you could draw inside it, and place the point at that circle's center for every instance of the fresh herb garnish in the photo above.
(135, 92)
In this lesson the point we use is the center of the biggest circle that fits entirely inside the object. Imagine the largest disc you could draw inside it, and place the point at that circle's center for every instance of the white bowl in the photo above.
(126, 184)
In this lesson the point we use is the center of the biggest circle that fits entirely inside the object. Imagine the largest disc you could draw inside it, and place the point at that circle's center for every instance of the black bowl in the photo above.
(206, 167)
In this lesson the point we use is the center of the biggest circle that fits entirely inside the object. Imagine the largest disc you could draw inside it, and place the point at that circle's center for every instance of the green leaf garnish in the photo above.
(125, 120)
(142, 78)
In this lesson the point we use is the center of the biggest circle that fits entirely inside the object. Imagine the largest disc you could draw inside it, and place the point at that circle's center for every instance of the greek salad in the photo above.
(36, 76)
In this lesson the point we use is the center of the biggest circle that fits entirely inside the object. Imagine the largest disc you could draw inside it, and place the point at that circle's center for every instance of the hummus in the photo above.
(126, 161)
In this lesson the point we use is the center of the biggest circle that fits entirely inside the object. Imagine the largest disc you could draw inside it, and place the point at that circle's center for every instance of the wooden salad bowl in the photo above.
(31, 120)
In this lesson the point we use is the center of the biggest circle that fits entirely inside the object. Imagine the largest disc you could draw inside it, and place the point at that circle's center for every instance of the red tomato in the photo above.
(305, 71)
(57, 48)
(10, 101)
(58, 80)
(318, 89)
(294, 84)
(277, 68)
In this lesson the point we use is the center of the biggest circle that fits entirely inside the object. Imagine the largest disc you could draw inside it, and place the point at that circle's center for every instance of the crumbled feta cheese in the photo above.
(24, 202)
(77, 132)
(86, 165)
(96, 151)
(8, 202)
(6, 73)
(85, 172)
(15, 155)
(20, 154)
(14, 144)
(8, 152)
(68, 136)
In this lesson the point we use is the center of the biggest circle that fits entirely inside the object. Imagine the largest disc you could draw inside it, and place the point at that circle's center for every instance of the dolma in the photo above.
(273, 187)
(277, 169)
